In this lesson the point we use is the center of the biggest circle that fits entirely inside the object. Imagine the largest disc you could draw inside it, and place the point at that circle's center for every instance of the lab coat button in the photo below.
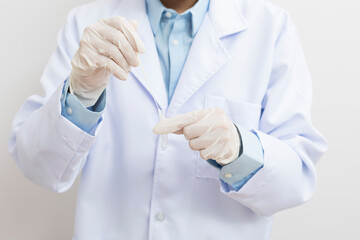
(159, 216)
(69, 111)
(168, 14)
(176, 42)
(228, 175)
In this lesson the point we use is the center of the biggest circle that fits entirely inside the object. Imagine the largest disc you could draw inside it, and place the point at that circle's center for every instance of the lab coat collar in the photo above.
(206, 56)
(227, 16)
(155, 10)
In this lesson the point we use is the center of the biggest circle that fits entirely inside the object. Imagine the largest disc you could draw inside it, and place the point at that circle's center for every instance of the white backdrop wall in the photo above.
(330, 33)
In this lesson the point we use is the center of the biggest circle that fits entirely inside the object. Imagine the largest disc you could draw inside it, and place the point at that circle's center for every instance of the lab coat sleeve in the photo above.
(48, 148)
(290, 143)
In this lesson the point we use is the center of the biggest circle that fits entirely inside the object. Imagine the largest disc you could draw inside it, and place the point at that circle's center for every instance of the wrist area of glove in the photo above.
(236, 146)
(87, 96)
(251, 160)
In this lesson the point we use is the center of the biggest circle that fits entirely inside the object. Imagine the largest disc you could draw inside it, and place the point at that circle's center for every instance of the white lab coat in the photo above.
(246, 58)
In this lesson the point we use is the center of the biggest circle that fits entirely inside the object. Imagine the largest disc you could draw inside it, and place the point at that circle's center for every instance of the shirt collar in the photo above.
(155, 11)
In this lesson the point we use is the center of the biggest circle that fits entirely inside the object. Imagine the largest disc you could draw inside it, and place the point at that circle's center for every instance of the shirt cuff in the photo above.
(251, 160)
(87, 119)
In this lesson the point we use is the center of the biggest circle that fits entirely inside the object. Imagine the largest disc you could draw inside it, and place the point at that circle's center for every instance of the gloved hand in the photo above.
(209, 131)
(109, 46)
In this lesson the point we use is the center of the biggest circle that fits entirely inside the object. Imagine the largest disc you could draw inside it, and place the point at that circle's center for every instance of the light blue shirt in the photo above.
(173, 35)
(85, 118)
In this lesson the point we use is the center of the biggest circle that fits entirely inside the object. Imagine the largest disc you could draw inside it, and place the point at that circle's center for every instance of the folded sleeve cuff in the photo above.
(87, 119)
(251, 160)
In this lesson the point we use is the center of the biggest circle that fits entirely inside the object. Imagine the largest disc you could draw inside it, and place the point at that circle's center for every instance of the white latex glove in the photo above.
(109, 46)
(209, 131)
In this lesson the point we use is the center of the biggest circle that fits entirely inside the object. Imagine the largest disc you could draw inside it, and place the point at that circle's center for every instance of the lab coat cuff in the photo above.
(77, 139)
(251, 160)
(87, 119)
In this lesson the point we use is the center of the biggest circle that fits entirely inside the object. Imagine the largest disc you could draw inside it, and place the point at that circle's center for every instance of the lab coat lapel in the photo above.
(152, 80)
(207, 54)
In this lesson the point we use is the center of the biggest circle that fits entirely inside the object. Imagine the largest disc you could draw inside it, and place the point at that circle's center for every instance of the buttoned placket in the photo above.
(158, 215)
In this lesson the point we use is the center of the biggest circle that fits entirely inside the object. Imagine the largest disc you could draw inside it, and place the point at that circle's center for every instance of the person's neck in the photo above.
(179, 6)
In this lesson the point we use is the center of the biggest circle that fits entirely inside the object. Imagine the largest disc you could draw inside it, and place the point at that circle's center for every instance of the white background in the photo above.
(330, 33)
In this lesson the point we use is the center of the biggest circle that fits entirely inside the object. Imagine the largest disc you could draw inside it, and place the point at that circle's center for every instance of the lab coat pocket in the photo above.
(244, 114)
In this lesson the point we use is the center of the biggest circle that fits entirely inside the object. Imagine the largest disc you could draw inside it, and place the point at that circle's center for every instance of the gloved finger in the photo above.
(216, 118)
(206, 154)
(110, 66)
(220, 148)
(177, 123)
(198, 128)
(105, 48)
(118, 39)
(195, 130)
(180, 132)
(214, 152)
(95, 60)
(131, 34)
(135, 24)
(205, 141)
(226, 158)
(129, 31)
